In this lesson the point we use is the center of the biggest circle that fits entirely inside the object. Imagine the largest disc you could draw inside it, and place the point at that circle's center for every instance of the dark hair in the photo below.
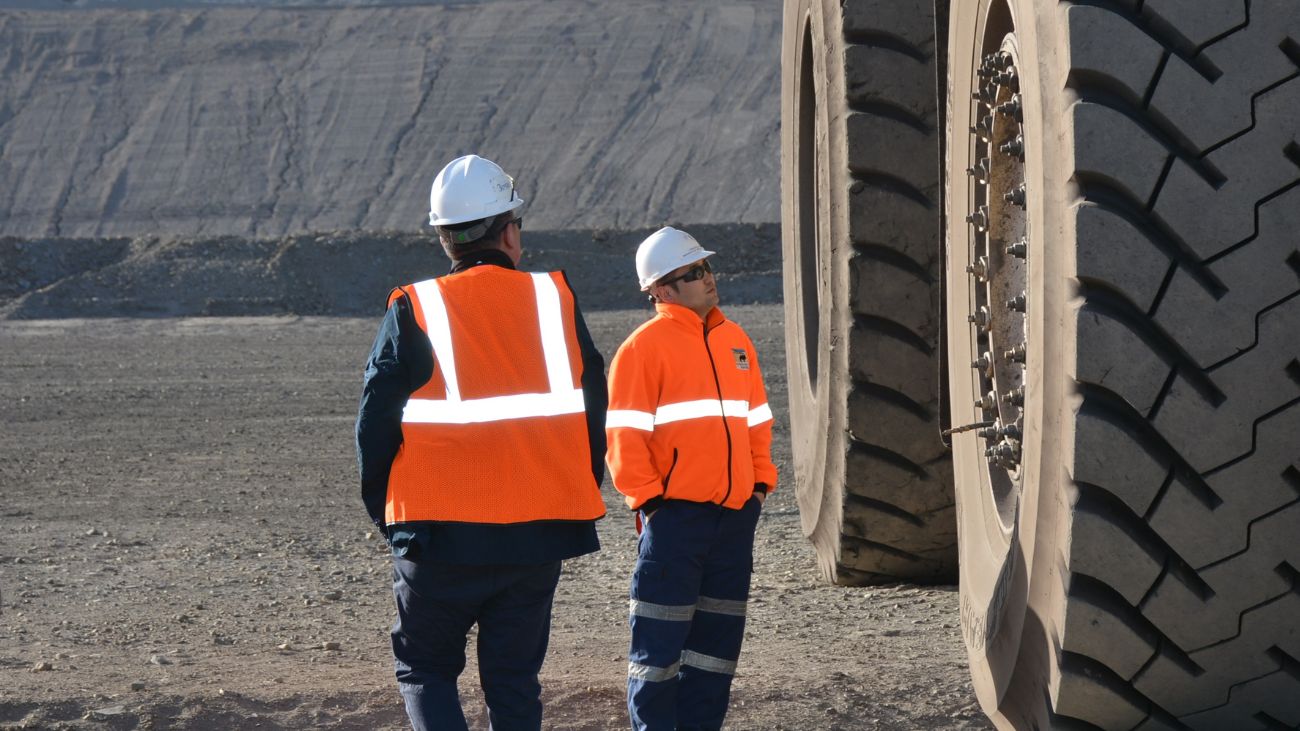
(459, 239)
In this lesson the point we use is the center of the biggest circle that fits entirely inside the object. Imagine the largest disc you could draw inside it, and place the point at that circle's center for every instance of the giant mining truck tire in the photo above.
(863, 275)
(1123, 202)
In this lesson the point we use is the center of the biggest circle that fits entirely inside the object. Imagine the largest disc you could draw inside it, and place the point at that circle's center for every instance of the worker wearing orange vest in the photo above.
(481, 447)
(690, 434)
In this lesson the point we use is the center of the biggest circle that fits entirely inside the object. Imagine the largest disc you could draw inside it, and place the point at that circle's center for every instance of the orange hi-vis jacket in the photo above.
(498, 434)
(688, 415)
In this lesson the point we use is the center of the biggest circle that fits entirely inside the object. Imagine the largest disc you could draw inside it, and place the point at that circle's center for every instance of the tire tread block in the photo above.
(1109, 48)
(1256, 383)
(883, 422)
(876, 75)
(1112, 250)
(883, 291)
(1211, 219)
(1212, 328)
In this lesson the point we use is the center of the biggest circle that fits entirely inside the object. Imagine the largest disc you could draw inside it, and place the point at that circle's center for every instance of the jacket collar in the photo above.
(496, 257)
(687, 316)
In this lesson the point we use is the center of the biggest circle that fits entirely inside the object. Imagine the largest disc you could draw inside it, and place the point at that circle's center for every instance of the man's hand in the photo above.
(762, 497)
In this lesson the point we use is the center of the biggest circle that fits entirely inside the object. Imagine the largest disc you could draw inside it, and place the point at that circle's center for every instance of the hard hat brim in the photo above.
(696, 256)
(466, 218)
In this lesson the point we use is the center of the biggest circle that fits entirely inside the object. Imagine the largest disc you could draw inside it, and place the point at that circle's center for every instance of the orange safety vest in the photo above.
(688, 416)
(499, 432)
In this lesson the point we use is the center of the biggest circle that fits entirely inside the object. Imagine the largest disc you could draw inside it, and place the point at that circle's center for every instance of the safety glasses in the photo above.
(695, 273)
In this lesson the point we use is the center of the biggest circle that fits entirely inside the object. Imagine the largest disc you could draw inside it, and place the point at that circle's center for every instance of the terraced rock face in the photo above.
(263, 120)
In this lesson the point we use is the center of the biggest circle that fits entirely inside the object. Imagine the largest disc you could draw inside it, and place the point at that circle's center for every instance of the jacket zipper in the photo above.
(669, 476)
(721, 405)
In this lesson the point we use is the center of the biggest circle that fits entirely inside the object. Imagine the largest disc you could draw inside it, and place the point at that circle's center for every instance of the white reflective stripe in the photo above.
(563, 398)
(733, 607)
(642, 420)
(708, 662)
(435, 319)
(495, 408)
(552, 326)
(651, 673)
(759, 415)
(669, 612)
(704, 408)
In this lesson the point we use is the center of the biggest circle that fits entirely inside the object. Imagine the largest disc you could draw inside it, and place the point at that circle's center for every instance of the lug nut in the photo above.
(983, 128)
(1017, 303)
(1018, 249)
(980, 218)
(1016, 354)
(1015, 196)
(989, 433)
(1008, 77)
(983, 362)
(980, 318)
(980, 269)
(1010, 108)
(981, 170)
(1015, 397)
(1003, 59)
(1010, 431)
(988, 403)
(1015, 148)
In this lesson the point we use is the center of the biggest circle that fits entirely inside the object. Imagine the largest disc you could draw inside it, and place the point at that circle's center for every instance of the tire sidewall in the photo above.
(1011, 586)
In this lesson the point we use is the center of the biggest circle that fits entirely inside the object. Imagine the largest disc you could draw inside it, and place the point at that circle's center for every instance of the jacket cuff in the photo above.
(651, 505)
(762, 487)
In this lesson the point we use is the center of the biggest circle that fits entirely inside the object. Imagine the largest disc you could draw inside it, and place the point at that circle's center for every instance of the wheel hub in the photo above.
(1000, 251)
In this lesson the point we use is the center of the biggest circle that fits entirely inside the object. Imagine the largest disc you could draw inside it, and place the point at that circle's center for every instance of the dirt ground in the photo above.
(182, 545)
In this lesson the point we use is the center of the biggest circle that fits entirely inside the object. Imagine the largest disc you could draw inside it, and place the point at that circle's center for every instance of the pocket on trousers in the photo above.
(657, 582)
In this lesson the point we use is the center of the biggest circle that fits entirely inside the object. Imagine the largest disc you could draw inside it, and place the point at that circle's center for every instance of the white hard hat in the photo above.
(663, 251)
(471, 188)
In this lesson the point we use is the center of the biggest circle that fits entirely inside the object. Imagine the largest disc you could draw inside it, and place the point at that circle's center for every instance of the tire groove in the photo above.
(893, 397)
(1253, 99)
(891, 183)
(1089, 670)
(1254, 436)
(888, 456)
(896, 259)
(1101, 502)
(895, 330)
(884, 548)
(1107, 405)
(1116, 202)
(1287, 572)
(1162, 33)
(1250, 527)
(1093, 89)
(1103, 596)
(877, 38)
(1254, 343)
(881, 506)
(1164, 393)
(889, 110)
(1104, 299)
(1164, 289)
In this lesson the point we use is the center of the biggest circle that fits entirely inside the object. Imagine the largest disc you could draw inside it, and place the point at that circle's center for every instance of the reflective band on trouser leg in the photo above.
(708, 662)
(667, 612)
(651, 674)
(733, 607)
(562, 399)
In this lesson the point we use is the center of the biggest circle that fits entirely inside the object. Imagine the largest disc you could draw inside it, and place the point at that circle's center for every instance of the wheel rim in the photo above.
(811, 180)
(1000, 273)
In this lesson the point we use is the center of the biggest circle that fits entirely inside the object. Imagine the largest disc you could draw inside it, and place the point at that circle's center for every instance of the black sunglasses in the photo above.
(694, 273)
(519, 221)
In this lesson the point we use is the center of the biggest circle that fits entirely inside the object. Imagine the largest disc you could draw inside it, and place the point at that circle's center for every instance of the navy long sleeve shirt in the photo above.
(401, 361)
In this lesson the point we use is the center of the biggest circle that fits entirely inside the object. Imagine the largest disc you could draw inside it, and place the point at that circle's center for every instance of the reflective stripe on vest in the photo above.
(563, 398)
(683, 410)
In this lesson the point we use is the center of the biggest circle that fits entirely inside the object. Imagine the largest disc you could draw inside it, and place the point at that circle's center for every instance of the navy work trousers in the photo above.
(437, 604)
(689, 594)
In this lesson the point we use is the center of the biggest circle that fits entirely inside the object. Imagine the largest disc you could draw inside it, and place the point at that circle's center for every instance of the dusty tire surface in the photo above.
(863, 273)
(1142, 570)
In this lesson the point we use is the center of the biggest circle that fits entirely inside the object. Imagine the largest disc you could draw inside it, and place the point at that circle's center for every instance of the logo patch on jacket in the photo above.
(742, 358)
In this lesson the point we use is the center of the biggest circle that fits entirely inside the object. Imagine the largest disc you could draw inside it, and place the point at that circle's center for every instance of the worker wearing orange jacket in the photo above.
(689, 432)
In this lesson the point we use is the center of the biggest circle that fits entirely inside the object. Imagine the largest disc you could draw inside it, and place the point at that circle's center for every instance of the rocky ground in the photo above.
(183, 547)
